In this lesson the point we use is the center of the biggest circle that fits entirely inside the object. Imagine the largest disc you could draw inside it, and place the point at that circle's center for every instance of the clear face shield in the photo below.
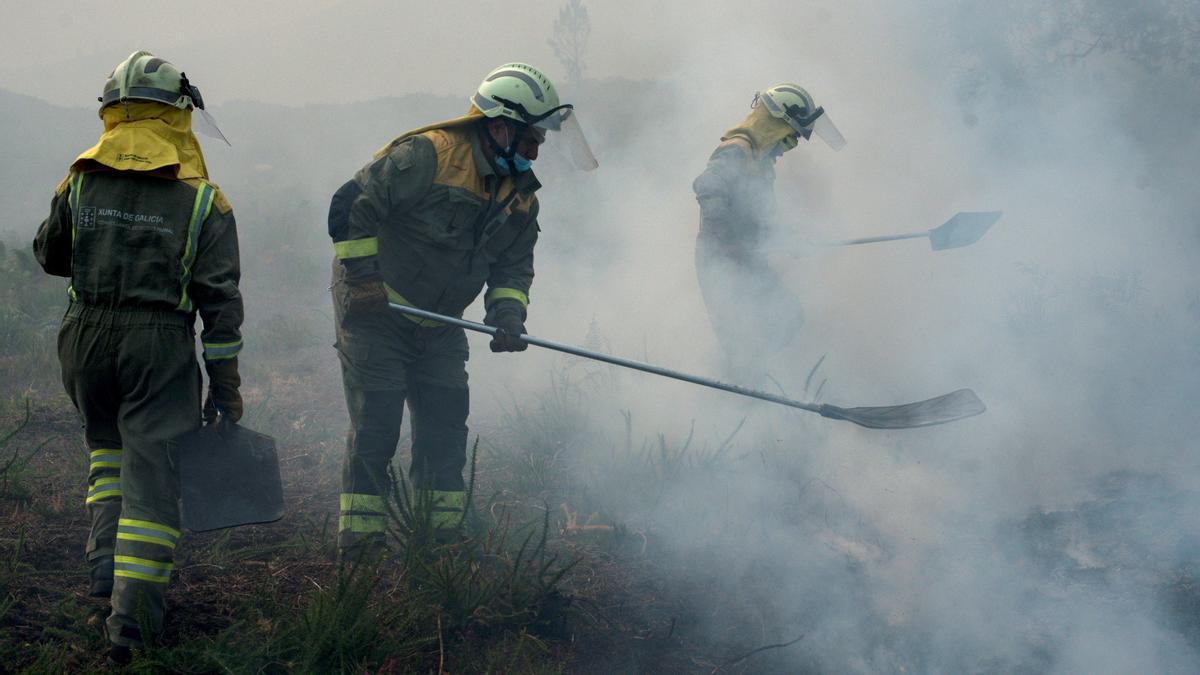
(568, 138)
(825, 129)
(816, 122)
(204, 122)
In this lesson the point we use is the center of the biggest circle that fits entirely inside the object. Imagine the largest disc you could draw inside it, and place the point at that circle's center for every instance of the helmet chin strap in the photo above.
(507, 152)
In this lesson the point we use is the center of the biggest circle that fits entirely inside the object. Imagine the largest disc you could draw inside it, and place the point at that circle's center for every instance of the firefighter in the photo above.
(147, 243)
(753, 315)
(437, 215)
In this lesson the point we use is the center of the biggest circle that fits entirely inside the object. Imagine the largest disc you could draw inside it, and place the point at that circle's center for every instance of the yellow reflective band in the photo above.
(144, 562)
(73, 204)
(142, 577)
(350, 501)
(201, 207)
(446, 507)
(149, 526)
(220, 351)
(147, 532)
(443, 499)
(502, 293)
(105, 459)
(71, 293)
(108, 487)
(445, 520)
(146, 539)
(398, 299)
(356, 248)
(362, 524)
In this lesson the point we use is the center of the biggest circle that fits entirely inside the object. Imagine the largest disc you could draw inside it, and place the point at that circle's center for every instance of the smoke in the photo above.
(1054, 533)
(1021, 540)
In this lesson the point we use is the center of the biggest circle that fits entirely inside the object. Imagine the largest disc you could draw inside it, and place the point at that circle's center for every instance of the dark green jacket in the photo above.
(136, 241)
(433, 220)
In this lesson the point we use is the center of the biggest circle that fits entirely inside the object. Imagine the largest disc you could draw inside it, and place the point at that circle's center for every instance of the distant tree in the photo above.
(1154, 34)
(571, 30)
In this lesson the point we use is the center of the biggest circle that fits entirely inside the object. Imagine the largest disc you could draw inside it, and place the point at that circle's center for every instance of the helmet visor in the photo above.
(569, 139)
(828, 132)
(205, 124)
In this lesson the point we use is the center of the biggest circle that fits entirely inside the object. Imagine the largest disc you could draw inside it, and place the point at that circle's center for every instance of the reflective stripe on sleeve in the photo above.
(503, 293)
(356, 248)
(219, 351)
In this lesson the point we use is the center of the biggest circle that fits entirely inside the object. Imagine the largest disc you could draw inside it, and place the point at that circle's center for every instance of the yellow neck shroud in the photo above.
(761, 131)
(146, 136)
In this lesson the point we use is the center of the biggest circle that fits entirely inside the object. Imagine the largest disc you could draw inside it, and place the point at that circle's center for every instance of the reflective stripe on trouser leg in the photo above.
(142, 567)
(361, 517)
(375, 417)
(445, 507)
(103, 503)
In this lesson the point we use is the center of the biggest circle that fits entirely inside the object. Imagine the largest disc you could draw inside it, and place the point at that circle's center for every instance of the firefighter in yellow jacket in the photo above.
(752, 313)
(439, 213)
(147, 243)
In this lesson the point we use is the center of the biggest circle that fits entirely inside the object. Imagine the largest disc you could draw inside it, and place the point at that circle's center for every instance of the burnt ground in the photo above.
(613, 610)
(271, 598)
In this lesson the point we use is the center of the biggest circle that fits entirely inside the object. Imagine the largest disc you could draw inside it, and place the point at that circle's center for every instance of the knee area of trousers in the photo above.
(436, 402)
(379, 408)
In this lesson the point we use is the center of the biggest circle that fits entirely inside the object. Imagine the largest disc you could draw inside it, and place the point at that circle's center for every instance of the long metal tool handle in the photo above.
(615, 360)
(956, 405)
(889, 237)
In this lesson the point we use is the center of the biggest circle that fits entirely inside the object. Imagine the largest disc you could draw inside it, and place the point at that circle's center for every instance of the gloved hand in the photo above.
(223, 396)
(509, 316)
(365, 298)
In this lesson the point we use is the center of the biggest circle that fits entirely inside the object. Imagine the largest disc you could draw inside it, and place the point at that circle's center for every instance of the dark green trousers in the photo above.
(753, 314)
(388, 361)
(133, 377)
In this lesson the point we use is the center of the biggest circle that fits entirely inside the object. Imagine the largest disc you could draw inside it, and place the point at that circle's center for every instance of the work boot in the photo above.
(448, 536)
(119, 656)
(368, 551)
(100, 578)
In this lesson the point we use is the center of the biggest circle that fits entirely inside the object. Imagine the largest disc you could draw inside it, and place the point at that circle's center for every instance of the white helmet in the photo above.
(791, 103)
(143, 76)
(525, 95)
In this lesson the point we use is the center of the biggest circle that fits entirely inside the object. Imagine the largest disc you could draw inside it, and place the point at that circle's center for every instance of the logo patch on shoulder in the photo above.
(87, 218)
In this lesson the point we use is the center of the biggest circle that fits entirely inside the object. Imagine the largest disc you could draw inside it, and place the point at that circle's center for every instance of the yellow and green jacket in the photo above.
(736, 193)
(137, 225)
(432, 220)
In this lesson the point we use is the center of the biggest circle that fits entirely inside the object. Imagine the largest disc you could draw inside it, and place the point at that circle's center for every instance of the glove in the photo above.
(364, 298)
(223, 396)
(509, 317)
